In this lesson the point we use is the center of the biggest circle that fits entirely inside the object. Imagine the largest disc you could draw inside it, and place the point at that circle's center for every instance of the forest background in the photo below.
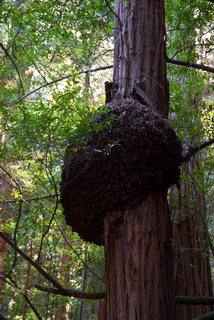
(55, 58)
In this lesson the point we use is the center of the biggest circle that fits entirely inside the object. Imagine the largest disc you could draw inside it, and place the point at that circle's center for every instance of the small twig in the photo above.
(29, 199)
(182, 49)
(9, 56)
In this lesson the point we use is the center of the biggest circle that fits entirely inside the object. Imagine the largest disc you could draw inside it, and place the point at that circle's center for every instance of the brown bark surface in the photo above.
(192, 264)
(64, 280)
(139, 261)
(138, 241)
(5, 190)
(140, 53)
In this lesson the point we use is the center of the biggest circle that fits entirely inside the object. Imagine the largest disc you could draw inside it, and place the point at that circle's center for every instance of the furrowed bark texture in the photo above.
(192, 264)
(140, 53)
(139, 261)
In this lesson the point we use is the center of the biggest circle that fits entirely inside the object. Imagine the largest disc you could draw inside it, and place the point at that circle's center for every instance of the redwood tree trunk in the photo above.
(138, 241)
(140, 53)
(139, 261)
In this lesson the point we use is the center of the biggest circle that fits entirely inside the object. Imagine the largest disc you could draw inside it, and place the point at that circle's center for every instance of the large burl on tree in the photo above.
(138, 154)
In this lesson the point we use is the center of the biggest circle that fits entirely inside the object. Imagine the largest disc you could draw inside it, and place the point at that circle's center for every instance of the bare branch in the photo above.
(58, 80)
(191, 65)
(73, 293)
(33, 263)
(194, 150)
(61, 290)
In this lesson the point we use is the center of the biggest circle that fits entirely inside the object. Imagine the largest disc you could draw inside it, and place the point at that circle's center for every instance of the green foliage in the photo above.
(46, 41)
(42, 111)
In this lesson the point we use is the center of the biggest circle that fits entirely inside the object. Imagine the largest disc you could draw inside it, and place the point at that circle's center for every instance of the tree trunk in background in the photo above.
(140, 53)
(64, 280)
(138, 242)
(192, 263)
(5, 190)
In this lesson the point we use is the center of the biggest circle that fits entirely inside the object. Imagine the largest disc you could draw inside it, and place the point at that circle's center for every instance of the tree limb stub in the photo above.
(72, 293)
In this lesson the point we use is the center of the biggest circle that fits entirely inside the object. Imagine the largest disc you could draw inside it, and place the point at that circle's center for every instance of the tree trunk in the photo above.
(140, 53)
(64, 280)
(192, 264)
(139, 261)
(138, 241)
(6, 188)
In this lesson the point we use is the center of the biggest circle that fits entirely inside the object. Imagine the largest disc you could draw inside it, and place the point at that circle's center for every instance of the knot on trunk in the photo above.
(137, 154)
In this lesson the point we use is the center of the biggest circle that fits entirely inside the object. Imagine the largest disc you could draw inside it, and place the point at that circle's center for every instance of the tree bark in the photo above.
(140, 53)
(192, 265)
(139, 261)
(138, 242)
(64, 279)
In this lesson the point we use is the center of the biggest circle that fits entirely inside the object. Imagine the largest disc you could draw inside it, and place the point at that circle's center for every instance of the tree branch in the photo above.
(29, 199)
(9, 56)
(191, 65)
(33, 263)
(193, 150)
(61, 290)
(194, 300)
(72, 293)
(169, 60)
(57, 80)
